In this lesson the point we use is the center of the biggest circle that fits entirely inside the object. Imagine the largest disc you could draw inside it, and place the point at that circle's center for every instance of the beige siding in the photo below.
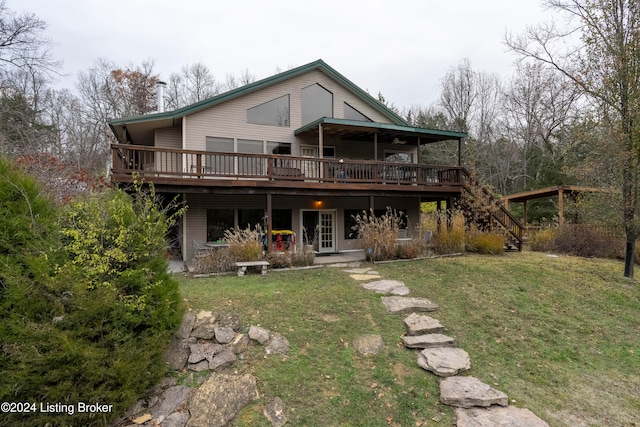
(168, 138)
(229, 120)
(196, 216)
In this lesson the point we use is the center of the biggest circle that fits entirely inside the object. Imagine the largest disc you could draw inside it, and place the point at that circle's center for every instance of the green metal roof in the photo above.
(382, 127)
(260, 84)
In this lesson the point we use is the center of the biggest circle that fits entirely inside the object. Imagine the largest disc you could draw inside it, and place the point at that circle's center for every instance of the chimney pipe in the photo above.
(160, 95)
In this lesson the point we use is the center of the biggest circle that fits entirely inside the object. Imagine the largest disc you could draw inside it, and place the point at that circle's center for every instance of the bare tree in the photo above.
(194, 83)
(458, 95)
(598, 51)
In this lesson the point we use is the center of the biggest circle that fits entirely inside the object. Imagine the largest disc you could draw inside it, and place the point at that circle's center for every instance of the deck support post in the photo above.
(269, 221)
(560, 206)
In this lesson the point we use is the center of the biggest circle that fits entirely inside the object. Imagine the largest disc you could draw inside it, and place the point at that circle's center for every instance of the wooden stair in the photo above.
(496, 217)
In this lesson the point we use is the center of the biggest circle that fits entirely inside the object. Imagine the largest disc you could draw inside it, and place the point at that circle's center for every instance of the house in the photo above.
(303, 151)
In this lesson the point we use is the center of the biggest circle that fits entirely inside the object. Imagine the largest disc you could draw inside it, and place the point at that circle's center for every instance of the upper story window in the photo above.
(273, 113)
(351, 113)
(317, 102)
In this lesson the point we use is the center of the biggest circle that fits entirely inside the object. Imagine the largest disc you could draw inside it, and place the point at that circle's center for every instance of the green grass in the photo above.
(560, 336)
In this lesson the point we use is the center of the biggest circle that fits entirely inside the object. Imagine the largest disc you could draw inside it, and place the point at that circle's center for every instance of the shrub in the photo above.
(543, 240)
(587, 242)
(486, 243)
(303, 257)
(245, 244)
(411, 249)
(279, 260)
(217, 261)
(451, 236)
(70, 333)
(378, 234)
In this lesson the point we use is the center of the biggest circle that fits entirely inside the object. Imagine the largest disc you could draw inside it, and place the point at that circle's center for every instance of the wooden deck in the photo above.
(238, 170)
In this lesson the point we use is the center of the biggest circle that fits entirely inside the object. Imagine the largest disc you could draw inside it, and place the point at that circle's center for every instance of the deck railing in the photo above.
(164, 162)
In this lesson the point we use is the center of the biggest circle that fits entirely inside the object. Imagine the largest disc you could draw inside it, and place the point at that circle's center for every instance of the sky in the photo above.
(400, 48)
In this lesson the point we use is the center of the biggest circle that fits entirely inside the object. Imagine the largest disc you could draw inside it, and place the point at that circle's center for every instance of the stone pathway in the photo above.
(477, 404)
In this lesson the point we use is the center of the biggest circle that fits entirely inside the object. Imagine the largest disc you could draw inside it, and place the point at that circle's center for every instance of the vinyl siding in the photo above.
(229, 120)
(196, 215)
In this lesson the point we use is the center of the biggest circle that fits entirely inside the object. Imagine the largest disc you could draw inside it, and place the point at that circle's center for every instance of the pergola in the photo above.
(558, 191)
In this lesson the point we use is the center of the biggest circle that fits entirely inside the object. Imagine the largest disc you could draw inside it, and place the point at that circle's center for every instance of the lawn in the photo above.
(560, 336)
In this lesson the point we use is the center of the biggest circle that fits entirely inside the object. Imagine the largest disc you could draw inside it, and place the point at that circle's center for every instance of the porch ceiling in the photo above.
(364, 131)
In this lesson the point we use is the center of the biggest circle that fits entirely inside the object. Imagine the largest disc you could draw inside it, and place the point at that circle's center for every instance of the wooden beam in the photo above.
(560, 205)
(269, 221)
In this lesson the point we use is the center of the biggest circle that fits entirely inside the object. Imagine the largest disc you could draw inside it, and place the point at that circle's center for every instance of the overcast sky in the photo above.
(400, 48)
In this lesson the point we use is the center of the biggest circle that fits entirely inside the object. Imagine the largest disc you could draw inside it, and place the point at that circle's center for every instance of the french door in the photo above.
(319, 229)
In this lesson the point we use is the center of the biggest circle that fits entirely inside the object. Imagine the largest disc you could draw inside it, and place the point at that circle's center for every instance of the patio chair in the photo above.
(200, 248)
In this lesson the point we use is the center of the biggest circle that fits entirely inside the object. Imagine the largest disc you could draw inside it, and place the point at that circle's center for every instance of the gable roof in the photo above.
(260, 84)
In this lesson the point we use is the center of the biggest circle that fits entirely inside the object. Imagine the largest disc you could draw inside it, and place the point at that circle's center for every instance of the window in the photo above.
(329, 152)
(317, 102)
(282, 148)
(250, 165)
(250, 218)
(273, 113)
(282, 219)
(218, 220)
(217, 163)
(351, 113)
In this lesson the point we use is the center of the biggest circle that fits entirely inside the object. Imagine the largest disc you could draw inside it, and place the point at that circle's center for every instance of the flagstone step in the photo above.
(467, 392)
(394, 287)
(418, 324)
(408, 305)
(497, 416)
(444, 361)
(428, 341)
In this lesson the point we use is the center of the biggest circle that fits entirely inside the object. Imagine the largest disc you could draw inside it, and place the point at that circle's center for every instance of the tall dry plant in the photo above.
(245, 244)
(378, 234)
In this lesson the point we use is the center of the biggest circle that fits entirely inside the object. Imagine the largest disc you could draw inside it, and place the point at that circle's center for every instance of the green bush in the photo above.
(486, 243)
(88, 306)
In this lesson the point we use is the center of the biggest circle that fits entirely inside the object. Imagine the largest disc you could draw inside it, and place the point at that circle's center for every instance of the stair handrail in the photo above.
(502, 215)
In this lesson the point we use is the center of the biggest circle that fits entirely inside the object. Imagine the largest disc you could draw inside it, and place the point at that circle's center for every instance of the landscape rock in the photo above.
(224, 358)
(230, 321)
(224, 334)
(408, 305)
(467, 392)
(418, 324)
(428, 341)
(200, 366)
(444, 361)
(497, 416)
(203, 351)
(387, 287)
(259, 334)
(177, 354)
(172, 399)
(274, 412)
(368, 344)
(278, 345)
(205, 318)
(204, 332)
(177, 419)
(240, 343)
(188, 321)
(220, 399)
